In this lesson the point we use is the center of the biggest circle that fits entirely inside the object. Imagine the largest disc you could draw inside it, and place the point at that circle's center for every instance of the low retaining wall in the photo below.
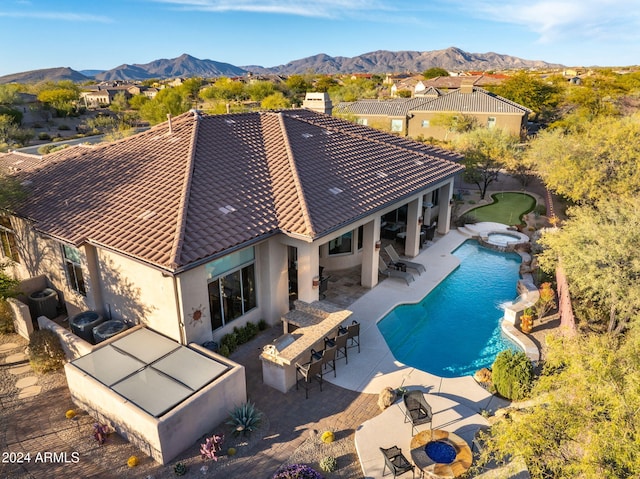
(74, 347)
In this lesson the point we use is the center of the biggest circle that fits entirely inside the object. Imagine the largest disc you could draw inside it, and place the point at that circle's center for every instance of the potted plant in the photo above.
(526, 321)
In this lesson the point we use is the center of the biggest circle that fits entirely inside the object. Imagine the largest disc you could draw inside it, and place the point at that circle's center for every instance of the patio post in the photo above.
(444, 208)
(414, 222)
(308, 272)
(370, 255)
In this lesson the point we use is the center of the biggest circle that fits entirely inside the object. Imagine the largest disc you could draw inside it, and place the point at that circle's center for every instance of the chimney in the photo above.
(466, 86)
(319, 102)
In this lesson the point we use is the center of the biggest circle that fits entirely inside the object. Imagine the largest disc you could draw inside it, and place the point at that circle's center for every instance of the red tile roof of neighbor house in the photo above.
(199, 185)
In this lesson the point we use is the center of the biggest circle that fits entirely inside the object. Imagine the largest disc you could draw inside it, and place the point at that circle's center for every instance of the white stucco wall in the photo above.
(137, 293)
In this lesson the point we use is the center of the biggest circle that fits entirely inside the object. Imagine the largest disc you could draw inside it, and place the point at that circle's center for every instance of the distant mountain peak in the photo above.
(379, 61)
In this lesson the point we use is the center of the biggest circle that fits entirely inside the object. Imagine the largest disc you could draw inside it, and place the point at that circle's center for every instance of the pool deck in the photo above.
(457, 402)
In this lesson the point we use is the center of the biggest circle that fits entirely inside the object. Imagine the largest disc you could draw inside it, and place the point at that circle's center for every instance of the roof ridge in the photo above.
(178, 239)
(296, 178)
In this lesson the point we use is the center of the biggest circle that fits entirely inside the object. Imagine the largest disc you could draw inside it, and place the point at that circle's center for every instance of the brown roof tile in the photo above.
(179, 194)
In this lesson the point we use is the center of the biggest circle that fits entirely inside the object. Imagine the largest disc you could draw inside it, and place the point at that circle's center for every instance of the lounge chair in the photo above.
(395, 258)
(417, 409)
(393, 273)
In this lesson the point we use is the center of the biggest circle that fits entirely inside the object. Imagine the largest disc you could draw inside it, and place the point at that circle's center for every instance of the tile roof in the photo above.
(478, 101)
(395, 107)
(199, 185)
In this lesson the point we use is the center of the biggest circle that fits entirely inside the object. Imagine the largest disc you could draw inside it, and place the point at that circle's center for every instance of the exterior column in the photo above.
(412, 241)
(308, 272)
(444, 213)
(370, 255)
(274, 285)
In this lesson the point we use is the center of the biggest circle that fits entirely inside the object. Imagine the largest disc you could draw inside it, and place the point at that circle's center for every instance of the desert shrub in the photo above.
(328, 464)
(245, 418)
(6, 318)
(465, 219)
(540, 210)
(262, 325)
(297, 471)
(44, 136)
(224, 351)
(251, 330)
(45, 351)
(230, 341)
(64, 127)
(180, 469)
(512, 374)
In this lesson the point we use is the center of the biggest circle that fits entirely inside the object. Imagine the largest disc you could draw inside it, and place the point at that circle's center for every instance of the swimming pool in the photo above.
(455, 329)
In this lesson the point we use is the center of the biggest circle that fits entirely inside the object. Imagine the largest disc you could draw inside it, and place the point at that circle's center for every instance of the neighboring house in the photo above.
(414, 117)
(102, 97)
(205, 222)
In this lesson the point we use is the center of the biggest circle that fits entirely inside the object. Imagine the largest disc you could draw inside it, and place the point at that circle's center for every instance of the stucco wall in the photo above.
(165, 437)
(137, 293)
(508, 122)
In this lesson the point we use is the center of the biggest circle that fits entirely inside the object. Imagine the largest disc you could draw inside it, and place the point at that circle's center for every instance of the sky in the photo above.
(101, 35)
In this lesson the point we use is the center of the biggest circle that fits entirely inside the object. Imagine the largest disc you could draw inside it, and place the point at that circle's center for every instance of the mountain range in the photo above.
(381, 61)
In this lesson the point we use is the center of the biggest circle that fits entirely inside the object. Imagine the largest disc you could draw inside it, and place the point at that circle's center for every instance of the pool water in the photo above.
(455, 329)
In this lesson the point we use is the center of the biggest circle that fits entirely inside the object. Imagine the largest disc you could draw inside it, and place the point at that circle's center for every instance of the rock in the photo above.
(386, 398)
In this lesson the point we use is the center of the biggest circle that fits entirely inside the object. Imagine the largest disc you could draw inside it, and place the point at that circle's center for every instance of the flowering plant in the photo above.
(296, 471)
(211, 446)
(327, 437)
(100, 432)
(70, 414)
(132, 461)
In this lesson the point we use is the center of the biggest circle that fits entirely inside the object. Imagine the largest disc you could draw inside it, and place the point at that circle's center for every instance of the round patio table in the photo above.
(435, 470)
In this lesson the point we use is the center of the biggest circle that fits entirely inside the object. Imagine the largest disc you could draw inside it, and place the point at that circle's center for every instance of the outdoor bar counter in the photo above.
(313, 322)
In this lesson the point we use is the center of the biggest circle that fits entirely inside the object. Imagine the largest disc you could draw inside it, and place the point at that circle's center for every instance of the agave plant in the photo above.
(245, 418)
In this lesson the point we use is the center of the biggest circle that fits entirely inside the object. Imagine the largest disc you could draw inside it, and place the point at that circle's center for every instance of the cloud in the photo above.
(305, 8)
(555, 20)
(63, 16)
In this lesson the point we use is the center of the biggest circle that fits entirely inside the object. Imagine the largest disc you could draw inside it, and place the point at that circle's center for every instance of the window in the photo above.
(73, 265)
(232, 292)
(491, 122)
(396, 126)
(360, 237)
(363, 121)
(425, 124)
(8, 239)
(341, 245)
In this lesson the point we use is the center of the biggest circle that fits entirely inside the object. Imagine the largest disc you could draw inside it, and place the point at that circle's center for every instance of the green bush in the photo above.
(512, 374)
(44, 136)
(245, 418)
(540, 210)
(262, 325)
(224, 351)
(465, 219)
(64, 127)
(6, 318)
(251, 330)
(45, 351)
(230, 341)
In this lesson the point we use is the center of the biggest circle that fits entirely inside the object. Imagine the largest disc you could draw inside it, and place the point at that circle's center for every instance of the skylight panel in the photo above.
(226, 209)
(335, 190)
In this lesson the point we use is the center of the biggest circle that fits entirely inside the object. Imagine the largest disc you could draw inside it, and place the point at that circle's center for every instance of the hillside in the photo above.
(183, 66)
(384, 61)
(381, 61)
(51, 74)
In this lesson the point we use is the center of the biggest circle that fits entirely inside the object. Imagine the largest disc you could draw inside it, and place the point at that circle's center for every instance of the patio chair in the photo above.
(327, 356)
(309, 371)
(353, 335)
(392, 273)
(340, 343)
(395, 258)
(417, 410)
(396, 462)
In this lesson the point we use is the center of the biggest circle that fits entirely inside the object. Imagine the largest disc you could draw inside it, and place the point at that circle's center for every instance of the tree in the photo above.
(530, 91)
(11, 135)
(325, 83)
(61, 96)
(597, 246)
(454, 123)
(167, 101)
(582, 422)
(435, 72)
(9, 94)
(276, 101)
(259, 90)
(119, 102)
(597, 160)
(224, 89)
(136, 101)
(486, 151)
